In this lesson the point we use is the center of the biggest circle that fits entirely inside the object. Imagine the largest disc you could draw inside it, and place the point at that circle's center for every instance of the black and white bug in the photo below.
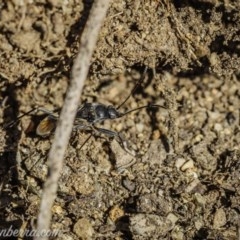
(87, 116)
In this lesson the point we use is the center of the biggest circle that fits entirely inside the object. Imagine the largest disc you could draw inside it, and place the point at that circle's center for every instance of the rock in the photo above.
(115, 213)
(148, 225)
(83, 228)
(219, 219)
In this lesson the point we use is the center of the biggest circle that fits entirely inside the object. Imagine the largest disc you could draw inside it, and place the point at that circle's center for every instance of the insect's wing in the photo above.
(46, 126)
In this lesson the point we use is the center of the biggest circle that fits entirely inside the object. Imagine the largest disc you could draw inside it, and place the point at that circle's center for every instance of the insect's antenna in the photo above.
(146, 106)
(12, 123)
(134, 89)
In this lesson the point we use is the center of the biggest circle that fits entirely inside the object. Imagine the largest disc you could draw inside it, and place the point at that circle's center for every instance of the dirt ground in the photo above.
(184, 180)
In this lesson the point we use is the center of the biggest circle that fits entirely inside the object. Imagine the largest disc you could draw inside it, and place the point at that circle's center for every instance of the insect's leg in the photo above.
(81, 127)
(51, 114)
(12, 123)
(86, 141)
(119, 137)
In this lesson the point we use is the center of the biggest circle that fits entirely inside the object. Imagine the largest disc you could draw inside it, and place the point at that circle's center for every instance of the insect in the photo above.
(88, 115)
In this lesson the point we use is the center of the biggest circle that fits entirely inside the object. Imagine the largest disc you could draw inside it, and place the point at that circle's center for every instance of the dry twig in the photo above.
(65, 123)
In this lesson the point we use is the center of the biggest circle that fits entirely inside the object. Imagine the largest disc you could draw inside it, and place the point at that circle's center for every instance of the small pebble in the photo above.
(218, 127)
(179, 163)
(83, 228)
(172, 218)
(115, 213)
(129, 185)
(187, 165)
(219, 219)
(139, 127)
